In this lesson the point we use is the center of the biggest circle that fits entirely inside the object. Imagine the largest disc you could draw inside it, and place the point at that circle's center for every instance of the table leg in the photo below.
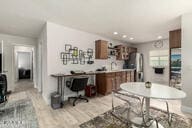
(147, 107)
(60, 88)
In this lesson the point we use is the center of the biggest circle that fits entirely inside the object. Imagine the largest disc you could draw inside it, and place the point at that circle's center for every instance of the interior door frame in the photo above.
(33, 61)
(39, 67)
(2, 61)
(17, 63)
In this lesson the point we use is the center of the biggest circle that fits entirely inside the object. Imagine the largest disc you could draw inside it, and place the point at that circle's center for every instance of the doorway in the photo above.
(24, 68)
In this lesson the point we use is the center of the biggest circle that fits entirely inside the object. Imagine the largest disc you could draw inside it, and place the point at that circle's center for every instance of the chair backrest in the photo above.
(134, 106)
(79, 83)
(135, 103)
(3, 88)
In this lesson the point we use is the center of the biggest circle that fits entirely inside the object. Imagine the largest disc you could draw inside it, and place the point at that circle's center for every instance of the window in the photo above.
(159, 57)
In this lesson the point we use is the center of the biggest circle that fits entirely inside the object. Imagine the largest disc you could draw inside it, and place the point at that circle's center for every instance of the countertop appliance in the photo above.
(135, 61)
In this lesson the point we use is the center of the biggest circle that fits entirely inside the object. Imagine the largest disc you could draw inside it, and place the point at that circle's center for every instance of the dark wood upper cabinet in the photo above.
(175, 38)
(101, 49)
(124, 51)
(131, 49)
(121, 52)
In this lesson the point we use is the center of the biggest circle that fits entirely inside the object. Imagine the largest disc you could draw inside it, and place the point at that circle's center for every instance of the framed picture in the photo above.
(75, 52)
(75, 60)
(62, 55)
(90, 52)
(82, 60)
(68, 47)
(65, 59)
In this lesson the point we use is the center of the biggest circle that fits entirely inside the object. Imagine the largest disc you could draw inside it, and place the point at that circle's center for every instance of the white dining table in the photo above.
(157, 91)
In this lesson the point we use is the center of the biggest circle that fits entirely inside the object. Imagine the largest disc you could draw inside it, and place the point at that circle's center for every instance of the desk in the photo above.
(61, 78)
(157, 91)
(60, 86)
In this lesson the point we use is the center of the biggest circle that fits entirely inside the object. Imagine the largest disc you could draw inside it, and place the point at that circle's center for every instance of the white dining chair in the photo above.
(132, 112)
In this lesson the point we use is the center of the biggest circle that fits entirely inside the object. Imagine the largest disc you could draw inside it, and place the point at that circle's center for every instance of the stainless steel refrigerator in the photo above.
(135, 61)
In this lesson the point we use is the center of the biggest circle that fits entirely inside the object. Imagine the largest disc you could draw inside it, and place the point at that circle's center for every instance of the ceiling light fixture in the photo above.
(124, 36)
(131, 38)
(159, 37)
(115, 33)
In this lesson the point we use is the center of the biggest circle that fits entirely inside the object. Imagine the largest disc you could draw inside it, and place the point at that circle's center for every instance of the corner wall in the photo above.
(42, 62)
(57, 37)
(9, 43)
(187, 61)
(149, 74)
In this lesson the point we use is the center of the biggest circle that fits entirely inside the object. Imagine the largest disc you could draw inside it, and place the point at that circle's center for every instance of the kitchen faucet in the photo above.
(112, 65)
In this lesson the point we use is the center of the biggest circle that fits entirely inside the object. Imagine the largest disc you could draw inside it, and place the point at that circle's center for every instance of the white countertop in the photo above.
(111, 71)
(90, 73)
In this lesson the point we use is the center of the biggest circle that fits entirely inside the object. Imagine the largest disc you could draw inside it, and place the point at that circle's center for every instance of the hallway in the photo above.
(23, 85)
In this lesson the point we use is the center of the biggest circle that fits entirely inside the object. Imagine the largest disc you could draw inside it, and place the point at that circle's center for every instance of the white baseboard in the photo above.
(35, 86)
(48, 102)
(186, 109)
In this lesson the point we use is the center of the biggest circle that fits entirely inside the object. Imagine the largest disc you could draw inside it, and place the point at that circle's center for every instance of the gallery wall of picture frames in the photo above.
(76, 56)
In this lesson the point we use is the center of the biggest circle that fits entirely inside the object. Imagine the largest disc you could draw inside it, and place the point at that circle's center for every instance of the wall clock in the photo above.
(158, 44)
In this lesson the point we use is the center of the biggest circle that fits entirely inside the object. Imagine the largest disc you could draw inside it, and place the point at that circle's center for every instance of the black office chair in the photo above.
(3, 90)
(78, 84)
(3, 84)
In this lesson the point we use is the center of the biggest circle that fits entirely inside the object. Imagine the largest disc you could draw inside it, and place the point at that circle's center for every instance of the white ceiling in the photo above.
(143, 20)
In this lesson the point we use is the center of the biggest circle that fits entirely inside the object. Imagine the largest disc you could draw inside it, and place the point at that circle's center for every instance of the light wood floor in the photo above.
(23, 85)
(71, 117)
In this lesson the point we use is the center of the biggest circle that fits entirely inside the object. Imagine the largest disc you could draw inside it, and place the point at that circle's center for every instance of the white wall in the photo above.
(57, 37)
(149, 74)
(42, 61)
(9, 43)
(39, 66)
(24, 60)
(187, 61)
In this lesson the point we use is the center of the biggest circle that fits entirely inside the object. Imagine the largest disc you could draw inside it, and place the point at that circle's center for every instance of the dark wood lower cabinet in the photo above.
(128, 76)
(118, 80)
(108, 81)
(123, 77)
(104, 81)
(132, 75)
